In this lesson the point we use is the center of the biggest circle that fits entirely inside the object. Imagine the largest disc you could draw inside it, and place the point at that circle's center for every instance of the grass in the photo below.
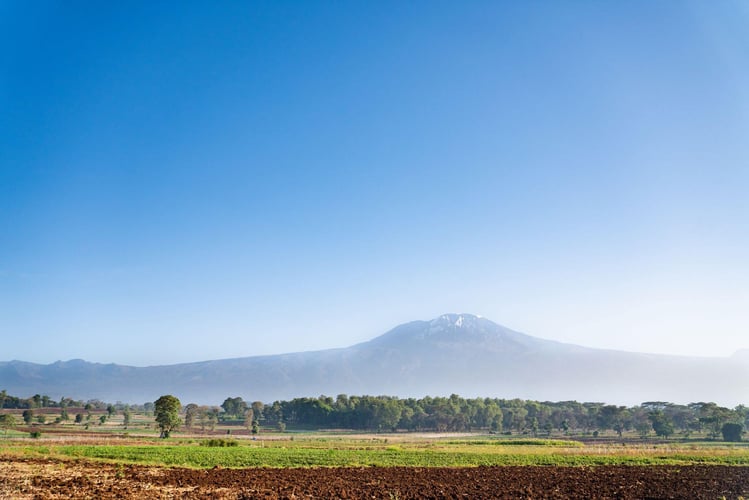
(338, 452)
(11, 433)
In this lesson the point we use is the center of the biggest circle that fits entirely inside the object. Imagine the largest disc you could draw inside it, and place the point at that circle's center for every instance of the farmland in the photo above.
(338, 464)
(110, 453)
(50, 479)
(316, 451)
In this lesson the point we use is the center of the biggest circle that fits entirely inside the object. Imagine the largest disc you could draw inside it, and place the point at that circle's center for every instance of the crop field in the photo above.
(321, 465)
(380, 452)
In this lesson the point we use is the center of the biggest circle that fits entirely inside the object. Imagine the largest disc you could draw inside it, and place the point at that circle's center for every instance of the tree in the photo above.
(249, 418)
(7, 421)
(207, 416)
(234, 407)
(126, 417)
(732, 432)
(515, 418)
(191, 411)
(661, 424)
(274, 413)
(387, 413)
(166, 411)
(548, 427)
(493, 416)
(28, 416)
(257, 409)
(608, 417)
(712, 417)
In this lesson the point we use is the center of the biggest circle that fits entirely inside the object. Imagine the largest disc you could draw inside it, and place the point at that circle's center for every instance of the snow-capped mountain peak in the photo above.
(456, 320)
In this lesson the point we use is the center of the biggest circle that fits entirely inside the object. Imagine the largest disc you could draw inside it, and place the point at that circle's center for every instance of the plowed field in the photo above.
(52, 479)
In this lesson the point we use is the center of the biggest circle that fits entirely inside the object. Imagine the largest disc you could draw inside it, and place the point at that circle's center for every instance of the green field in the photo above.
(227, 444)
(312, 451)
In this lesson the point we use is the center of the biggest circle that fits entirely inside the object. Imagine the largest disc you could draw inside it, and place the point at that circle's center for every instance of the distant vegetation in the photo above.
(374, 431)
(314, 451)
(507, 416)
(515, 417)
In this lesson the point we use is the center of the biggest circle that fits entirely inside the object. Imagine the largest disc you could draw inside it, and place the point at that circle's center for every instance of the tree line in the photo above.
(38, 401)
(508, 416)
(441, 414)
(10, 402)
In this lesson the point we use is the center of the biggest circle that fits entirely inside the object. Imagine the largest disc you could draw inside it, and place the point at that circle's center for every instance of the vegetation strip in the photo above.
(388, 414)
(450, 456)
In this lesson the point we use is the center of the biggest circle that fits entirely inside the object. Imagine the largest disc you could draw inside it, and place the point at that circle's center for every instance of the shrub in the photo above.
(220, 443)
(732, 432)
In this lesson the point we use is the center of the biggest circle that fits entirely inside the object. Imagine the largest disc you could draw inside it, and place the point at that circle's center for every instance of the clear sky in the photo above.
(182, 181)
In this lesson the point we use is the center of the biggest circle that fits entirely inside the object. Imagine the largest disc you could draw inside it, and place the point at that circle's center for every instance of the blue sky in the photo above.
(201, 180)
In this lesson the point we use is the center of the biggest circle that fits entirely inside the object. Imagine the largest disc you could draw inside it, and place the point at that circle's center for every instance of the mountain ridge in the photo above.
(454, 353)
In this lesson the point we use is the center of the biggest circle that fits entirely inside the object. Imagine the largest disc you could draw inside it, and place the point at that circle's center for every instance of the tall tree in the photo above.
(257, 409)
(249, 418)
(166, 411)
(191, 411)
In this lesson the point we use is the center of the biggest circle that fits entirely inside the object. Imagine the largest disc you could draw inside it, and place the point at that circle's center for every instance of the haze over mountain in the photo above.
(454, 353)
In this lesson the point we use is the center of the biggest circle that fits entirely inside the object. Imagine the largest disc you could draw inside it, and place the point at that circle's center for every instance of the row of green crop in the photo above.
(245, 456)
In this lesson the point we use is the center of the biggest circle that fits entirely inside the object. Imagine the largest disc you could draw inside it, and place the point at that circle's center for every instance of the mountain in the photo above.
(742, 354)
(455, 353)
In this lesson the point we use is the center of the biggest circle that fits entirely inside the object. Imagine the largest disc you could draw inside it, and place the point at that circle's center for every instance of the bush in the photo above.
(35, 434)
(220, 443)
(732, 432)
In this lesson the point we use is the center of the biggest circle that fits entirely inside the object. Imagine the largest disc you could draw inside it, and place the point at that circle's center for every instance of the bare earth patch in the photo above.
(25, 478)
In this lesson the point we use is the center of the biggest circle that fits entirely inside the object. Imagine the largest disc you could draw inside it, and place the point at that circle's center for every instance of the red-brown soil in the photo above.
(51, 479)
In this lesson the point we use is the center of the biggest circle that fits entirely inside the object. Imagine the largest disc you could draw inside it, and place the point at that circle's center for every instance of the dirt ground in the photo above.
(52, 479)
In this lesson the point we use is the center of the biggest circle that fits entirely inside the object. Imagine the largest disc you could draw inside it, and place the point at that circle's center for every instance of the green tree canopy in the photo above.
(732, 431)
(234, 407)
(166, 411)
(661, 424)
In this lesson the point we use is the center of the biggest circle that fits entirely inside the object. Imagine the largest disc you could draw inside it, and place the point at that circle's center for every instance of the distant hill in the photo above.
(742, 354)
(455, 353)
